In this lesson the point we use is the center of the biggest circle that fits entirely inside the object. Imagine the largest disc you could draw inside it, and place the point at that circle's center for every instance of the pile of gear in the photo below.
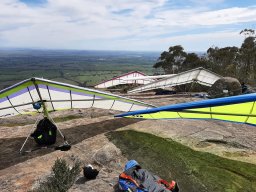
(136, 179)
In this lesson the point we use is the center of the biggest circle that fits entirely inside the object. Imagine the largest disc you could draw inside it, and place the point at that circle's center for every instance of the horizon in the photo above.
(53, 49)
(114, 25)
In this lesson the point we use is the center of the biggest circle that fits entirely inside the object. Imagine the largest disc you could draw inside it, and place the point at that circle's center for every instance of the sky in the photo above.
(136, 25)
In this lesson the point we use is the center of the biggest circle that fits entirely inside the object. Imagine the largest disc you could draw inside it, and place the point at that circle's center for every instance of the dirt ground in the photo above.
(85, 131)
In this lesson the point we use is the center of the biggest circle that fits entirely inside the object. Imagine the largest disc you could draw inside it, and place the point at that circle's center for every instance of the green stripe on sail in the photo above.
(15, 89)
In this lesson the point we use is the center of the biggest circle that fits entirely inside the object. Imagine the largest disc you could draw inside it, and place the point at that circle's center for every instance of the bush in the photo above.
(62, 177)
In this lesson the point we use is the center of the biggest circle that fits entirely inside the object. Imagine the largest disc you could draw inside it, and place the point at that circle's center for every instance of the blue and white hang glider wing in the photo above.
(20, 98)
(241, 109)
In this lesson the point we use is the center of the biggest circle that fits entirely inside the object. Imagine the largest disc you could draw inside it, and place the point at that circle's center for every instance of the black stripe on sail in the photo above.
(71, 99)
(131, 107)
(12, 105)
(112, 104)
(31, 97)
(50, 97)
(93, 100)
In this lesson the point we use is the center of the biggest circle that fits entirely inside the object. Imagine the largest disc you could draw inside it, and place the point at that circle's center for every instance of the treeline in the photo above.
(238, 62)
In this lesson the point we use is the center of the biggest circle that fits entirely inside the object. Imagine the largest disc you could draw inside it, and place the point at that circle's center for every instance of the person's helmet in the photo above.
(130, 164)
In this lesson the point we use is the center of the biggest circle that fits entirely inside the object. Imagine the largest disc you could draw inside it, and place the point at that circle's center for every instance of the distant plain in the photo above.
(83, 68)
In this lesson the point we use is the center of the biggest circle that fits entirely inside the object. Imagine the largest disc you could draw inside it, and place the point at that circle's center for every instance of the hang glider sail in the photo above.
(153, 78)
(124, 79)
(198, 75)
(22, 97)
(241, 109)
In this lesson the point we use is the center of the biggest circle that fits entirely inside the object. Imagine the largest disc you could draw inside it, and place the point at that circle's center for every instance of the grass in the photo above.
(193, 170)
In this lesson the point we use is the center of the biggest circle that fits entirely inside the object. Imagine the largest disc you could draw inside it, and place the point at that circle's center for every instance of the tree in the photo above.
(223, 60)
(247, 55)
(192, 61)
(248, 32)
(228, 61)
(172, 60)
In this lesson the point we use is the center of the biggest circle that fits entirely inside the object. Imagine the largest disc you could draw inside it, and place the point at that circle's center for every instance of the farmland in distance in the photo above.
(83, 68)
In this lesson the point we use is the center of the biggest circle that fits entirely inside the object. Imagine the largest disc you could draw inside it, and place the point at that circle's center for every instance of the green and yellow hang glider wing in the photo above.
(241, 109)
(22, 97)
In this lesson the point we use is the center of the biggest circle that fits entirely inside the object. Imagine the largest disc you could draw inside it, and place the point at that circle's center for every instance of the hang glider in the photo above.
(153, 78)
(124, 79)
(22, 97)
(241, 109)
(198, 75)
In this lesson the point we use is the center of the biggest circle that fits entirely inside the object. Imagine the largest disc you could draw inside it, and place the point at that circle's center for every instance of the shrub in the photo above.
(62, 177)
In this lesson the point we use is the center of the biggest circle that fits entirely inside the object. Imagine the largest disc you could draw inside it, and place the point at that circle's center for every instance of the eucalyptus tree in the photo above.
(223, 60)
(171, 61)
(247, 55)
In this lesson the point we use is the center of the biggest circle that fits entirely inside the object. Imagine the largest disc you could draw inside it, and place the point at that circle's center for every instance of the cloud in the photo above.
(86, 24)
(190, 42)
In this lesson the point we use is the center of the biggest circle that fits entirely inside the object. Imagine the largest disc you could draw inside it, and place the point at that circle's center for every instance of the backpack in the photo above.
(45, 133)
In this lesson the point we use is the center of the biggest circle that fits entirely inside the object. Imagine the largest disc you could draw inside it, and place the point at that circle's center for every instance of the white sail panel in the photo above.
(4, 103)
(80, 100)
(44, 92)
(33, 93)
(60, 98)
(104, 104)
(23, 98)
(121, 106)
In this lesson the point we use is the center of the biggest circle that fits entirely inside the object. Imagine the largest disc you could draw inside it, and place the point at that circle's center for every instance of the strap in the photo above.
(128, 177)
(172, 185)
(165, 183)
(169, 186)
